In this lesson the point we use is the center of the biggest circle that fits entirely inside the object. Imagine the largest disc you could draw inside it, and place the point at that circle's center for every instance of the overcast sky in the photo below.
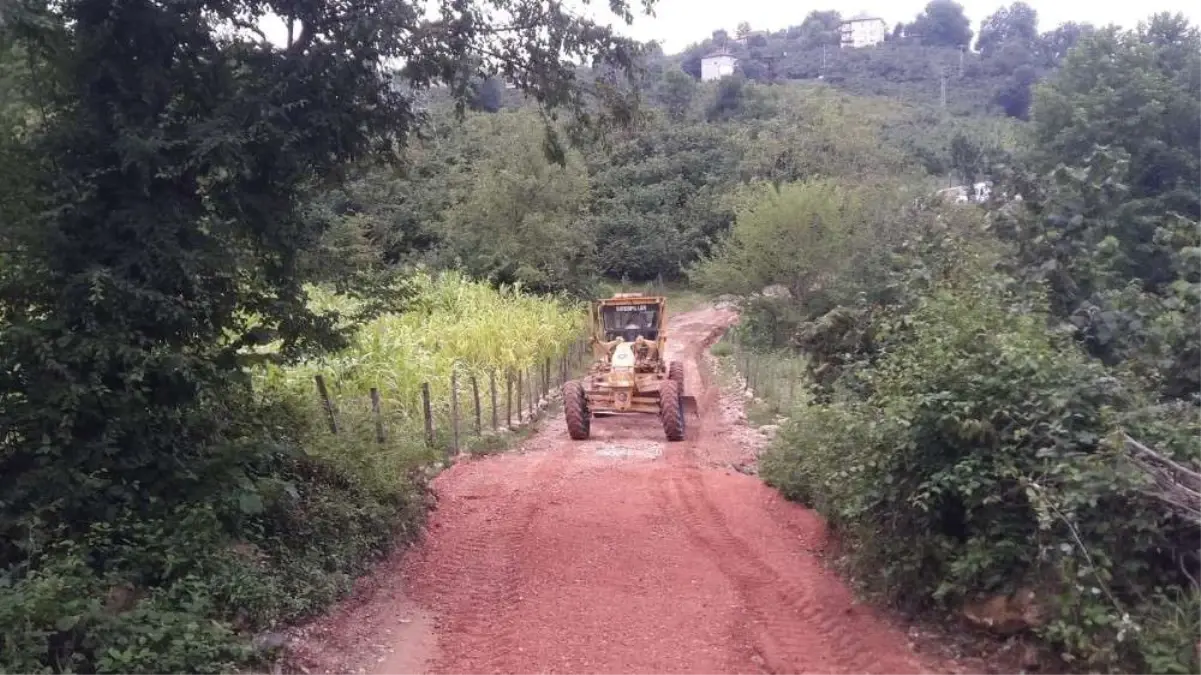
(680, 22)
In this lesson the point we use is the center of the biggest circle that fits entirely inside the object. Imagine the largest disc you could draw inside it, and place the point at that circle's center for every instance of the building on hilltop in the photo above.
(717, 65)
(863, 30)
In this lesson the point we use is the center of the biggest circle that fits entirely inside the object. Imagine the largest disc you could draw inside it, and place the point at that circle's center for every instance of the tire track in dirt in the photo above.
(489, 561)
(602, 556)
(799, 630)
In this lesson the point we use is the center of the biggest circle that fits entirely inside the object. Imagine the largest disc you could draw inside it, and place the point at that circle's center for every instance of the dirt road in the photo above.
(620, 554)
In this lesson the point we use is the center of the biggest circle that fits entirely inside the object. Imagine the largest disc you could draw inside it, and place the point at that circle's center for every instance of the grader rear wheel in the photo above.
(671, 410)
(575, 409)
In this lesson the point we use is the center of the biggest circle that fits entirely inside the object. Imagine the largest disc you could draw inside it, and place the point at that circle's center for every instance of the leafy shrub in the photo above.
(979, 463)
(176, 588)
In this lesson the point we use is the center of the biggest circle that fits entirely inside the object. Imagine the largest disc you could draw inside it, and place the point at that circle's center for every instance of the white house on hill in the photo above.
(863, 31)
(717, 65)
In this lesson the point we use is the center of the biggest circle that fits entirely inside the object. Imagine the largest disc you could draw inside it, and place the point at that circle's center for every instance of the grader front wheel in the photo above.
(671, 410)
(575, 409)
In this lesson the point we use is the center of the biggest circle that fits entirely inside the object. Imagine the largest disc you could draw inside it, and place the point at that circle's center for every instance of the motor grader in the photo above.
(628, 373)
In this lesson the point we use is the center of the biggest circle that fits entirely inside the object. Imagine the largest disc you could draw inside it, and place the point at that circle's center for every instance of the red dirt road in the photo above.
(620, 554)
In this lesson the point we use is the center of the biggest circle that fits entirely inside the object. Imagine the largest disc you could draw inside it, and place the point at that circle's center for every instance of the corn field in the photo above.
(502, 351)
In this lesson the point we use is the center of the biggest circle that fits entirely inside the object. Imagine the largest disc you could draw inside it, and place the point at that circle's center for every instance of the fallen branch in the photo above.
(1174, 484)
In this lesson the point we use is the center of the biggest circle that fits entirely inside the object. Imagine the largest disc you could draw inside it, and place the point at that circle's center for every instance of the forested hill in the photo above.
(990, 70)
(645, 201)
(986, 71)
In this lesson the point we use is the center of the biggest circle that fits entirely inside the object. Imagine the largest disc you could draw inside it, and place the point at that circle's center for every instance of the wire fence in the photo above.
(469, 410)
(775, 378)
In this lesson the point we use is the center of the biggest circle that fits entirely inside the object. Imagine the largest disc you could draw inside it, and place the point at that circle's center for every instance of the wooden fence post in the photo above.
(475, 394)
(529, 376)
(454, 410)
(428, 411)
(375, 412)
(546, 379)
(492, 390)
(520, 390)
(509, 399)
(326, 403)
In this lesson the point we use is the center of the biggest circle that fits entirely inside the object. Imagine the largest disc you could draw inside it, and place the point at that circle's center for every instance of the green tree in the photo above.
(1055, 45)
(1109, 218)
(162, 226)
(819, 133)
(967, 158)
(1015, 23)
(729, 98)
(943, 23)
(1134, 90)
(1015, 95)
(489, 95)
(656, 201)
(516, 216)
(800, 235)
(820, 28)
(677, 92)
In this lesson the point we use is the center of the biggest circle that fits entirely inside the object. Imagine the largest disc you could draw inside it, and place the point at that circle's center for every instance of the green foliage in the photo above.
(265, 535)
(1110, 209)
(974, 384)
(656, 198)
(677, 92)
(1133, 90)
(1015, 24)
(815, 131)
(729, 100)
(451, 324)
(515, 216)
(825, 241)
(978, 463)
(799, 235)
(656, 193)
(942, 24)
(163, 214)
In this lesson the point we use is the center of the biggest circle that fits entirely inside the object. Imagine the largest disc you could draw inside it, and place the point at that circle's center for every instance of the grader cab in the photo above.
(629, 373)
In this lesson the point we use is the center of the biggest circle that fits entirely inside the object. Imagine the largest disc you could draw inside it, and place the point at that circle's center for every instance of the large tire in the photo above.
(575, 409)
(671, 410)
(675, 373)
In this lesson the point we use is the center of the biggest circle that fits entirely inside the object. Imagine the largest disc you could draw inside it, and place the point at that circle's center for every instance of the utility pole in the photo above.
(824, 46)
(944, 91)
(961, 50)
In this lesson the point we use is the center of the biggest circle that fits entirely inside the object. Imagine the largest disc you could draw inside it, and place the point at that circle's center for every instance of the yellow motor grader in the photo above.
(628, 373)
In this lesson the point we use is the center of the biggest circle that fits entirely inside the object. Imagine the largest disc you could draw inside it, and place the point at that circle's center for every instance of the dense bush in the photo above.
(277, 522)
(982, 384)
(981, 461)
(259, 535)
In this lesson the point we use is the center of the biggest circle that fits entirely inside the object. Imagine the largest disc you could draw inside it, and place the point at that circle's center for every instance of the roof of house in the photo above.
(862, 16)
(718, 54)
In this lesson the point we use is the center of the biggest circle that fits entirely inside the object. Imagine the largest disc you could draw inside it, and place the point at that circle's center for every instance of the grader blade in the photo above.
(690, 406)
